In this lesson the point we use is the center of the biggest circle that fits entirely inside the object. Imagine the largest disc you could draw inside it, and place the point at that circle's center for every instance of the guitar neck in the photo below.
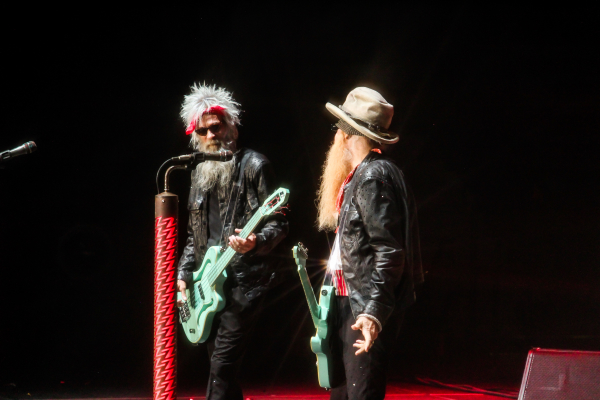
(310, 295)
(229, 253)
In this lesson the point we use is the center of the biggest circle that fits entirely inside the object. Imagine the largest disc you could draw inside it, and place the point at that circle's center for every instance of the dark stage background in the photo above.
(498, 109)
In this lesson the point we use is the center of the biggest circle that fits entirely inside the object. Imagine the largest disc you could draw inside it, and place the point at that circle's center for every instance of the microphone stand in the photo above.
(166, 211)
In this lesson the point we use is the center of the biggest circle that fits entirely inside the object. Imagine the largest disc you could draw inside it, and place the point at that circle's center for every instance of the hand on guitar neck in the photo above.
(240, 245)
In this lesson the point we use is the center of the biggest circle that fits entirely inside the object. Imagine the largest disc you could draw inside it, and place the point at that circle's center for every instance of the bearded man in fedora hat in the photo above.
(375, 262)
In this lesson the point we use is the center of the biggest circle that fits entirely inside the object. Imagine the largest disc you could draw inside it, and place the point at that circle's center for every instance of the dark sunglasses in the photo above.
(214, 128)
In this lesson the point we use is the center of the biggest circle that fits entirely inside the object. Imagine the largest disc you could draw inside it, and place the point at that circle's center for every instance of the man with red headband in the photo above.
(223, 198)
(375, 261)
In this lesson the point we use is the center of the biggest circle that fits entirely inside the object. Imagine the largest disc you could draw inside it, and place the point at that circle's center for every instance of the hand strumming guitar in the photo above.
(181, 286)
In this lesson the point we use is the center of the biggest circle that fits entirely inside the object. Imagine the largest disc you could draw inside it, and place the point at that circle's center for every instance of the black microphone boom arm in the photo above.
(199, 157)
(189, 161)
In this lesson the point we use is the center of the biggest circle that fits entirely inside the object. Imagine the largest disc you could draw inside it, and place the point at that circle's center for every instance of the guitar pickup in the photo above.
(184, 313)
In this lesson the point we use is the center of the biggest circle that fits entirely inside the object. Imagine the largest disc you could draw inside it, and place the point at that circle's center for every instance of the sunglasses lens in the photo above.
(215, 128)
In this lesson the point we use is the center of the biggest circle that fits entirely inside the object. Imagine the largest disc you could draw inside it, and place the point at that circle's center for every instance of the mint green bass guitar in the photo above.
(206, 296)
(322, 315)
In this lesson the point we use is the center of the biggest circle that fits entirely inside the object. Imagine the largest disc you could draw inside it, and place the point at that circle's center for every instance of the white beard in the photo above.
(209, 174)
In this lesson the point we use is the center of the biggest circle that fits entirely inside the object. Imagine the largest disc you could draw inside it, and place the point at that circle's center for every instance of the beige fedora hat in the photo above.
(368, 112)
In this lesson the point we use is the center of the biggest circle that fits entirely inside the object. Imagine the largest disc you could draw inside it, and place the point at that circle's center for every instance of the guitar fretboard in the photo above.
(224, 260)
(313, 307)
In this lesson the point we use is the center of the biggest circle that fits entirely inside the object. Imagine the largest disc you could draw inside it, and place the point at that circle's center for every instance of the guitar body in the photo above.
(322, 315)
(204, 300)
(319, 344)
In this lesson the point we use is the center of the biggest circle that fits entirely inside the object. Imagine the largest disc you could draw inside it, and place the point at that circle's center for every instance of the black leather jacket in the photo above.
(252, 271)
(379, 242)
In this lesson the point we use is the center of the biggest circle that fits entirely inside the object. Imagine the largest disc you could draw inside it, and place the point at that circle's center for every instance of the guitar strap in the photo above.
(237, 188)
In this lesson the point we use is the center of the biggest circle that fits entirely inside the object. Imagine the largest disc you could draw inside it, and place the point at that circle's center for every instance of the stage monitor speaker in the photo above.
(561, 375)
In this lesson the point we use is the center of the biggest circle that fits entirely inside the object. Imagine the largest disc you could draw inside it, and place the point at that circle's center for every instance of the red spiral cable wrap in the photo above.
(165, 315)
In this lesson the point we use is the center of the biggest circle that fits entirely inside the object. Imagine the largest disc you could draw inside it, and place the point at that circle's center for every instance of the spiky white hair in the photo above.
(204, 97)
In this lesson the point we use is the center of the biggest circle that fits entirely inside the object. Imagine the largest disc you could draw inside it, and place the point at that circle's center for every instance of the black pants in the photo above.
(362, 376)
(227, 344)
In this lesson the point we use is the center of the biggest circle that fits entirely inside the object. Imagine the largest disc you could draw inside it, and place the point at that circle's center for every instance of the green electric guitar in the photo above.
(206, 297)
(321, 314)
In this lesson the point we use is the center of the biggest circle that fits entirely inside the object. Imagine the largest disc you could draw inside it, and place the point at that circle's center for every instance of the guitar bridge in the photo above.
(184, 313)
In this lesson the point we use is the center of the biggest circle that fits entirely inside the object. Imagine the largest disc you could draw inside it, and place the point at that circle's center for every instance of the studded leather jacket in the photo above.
(252, 271)
(379, 242)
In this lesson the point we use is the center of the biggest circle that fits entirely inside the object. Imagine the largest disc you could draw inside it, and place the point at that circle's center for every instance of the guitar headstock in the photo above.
(274, 202)
(300, 254)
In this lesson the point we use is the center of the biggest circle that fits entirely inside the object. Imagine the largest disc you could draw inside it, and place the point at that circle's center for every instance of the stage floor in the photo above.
(394, 392)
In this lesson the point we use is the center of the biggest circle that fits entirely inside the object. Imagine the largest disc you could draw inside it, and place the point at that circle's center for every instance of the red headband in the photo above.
(191, 127)
(215, 110)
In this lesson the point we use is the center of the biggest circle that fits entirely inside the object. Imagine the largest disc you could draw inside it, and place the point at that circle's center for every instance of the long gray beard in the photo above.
(209, 174)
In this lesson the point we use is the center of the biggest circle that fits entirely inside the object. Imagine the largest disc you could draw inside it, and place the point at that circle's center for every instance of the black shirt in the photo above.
(215, 225)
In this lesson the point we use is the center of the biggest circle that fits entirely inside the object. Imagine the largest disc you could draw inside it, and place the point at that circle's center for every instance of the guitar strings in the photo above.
(213, 274)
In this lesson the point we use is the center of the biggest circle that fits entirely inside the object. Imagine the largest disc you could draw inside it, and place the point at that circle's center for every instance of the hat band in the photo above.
(369, 126)
(347, 128)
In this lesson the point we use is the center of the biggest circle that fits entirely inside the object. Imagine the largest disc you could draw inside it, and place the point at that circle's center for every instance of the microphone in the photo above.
(26, 148)
(199, 157)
